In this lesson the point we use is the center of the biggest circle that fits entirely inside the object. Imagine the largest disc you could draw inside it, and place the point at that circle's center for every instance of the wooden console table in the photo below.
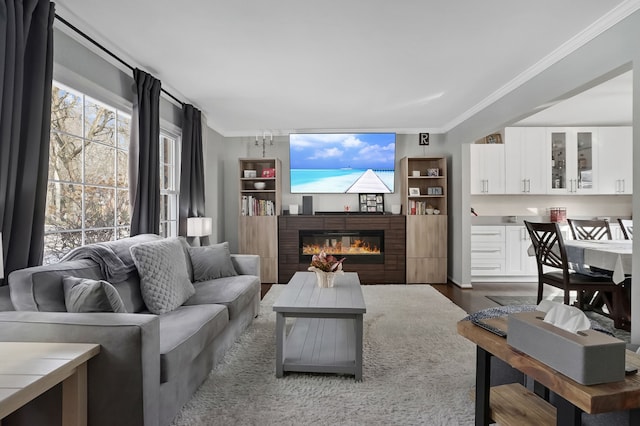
(514, 404)
(29, 369)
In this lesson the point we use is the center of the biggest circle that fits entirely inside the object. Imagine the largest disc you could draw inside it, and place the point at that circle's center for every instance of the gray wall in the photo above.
(80, 68)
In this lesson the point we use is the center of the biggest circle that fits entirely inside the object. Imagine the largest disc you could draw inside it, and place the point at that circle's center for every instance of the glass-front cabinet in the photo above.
(571, 167)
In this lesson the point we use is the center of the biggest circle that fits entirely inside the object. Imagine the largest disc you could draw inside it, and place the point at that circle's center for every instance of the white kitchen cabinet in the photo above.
(615, 160)
(487, 250)
(487, 169)
(572, 160)
(499, 254)
(525, 160)
(517, 260)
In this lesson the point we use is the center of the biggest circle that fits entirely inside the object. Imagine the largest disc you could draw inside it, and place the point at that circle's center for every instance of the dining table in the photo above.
(609, 255)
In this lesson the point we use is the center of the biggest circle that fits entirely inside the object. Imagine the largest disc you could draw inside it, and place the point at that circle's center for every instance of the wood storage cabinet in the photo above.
(259, 207)
(424, 202)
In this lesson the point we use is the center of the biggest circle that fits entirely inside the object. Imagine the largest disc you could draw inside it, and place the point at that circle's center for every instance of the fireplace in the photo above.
(373, 245)
(357, 246)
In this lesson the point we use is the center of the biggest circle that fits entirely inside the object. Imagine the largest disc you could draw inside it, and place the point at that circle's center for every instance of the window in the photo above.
(88, 187)
(168, 185)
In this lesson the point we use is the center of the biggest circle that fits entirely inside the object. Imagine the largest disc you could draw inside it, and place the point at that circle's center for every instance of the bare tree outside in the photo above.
(87, 198)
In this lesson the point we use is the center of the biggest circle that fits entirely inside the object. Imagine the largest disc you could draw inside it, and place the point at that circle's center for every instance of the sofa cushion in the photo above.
(185, 332)
(39, 288)
(234, 292)
(129, 291)
(211, 262)
(164, 281)
(5, 299)
(87, 295)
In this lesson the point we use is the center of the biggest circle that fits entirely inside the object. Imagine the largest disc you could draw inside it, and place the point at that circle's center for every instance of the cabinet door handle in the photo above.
(528, 185)
(622, 188)
(485, 250)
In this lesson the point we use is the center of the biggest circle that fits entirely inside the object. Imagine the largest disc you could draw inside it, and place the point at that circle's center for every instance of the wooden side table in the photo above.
(28, 369)
(506, 402)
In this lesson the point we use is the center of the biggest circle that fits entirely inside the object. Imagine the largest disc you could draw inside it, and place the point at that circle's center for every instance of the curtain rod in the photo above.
(108, 52)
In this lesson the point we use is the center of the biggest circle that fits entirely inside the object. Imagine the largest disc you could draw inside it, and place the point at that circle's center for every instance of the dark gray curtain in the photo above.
(191, 171)
(144, 156)
(26, 69)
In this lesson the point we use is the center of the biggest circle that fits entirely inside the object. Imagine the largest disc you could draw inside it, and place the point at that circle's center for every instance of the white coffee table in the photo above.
(327, 334)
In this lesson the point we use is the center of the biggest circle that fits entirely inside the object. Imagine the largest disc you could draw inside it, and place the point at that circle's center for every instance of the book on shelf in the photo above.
(252, 206)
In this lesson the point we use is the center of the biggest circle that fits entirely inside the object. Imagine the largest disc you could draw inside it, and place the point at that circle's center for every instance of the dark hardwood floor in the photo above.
(472, 300)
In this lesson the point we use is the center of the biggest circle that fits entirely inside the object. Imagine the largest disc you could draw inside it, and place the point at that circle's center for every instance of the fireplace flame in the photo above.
(357, 247)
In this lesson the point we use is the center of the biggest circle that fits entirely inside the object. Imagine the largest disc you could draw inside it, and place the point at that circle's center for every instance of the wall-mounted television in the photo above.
(341, 163)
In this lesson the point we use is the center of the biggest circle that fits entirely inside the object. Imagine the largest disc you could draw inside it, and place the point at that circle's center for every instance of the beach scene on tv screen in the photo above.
(342, 163)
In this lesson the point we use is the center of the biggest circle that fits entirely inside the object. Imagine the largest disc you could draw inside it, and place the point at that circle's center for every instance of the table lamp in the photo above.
(199, 227)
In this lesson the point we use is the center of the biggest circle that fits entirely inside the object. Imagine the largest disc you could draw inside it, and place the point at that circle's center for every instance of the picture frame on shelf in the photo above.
(371, 203)
(434, 190)
(269, 172)
(250, 173)
(433, 172)
(414, 192)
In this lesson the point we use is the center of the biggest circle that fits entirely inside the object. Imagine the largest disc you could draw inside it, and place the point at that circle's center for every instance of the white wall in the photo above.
(585, 206)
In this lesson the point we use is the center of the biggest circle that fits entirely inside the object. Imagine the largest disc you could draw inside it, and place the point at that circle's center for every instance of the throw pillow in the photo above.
(211, 262)
(87, 295)
(164, 282)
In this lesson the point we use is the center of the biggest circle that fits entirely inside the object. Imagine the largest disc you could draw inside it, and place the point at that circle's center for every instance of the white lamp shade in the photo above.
(199, 226)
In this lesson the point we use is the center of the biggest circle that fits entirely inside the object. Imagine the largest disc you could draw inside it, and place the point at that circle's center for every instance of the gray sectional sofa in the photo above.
(149, 364)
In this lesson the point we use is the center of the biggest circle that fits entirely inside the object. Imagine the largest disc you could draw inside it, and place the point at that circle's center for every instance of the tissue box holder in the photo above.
(588, 359)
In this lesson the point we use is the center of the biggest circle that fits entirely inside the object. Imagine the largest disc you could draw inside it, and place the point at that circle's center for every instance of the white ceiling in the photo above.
(607, 104)
(289, 65)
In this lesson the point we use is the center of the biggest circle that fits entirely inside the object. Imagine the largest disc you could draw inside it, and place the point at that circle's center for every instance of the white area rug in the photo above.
(417, 371)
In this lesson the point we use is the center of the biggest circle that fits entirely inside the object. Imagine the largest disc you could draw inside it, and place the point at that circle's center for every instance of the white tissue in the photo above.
(563, 316)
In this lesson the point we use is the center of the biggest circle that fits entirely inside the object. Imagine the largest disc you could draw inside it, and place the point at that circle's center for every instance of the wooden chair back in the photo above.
(549, 245)
(589, 229)
(627, 228)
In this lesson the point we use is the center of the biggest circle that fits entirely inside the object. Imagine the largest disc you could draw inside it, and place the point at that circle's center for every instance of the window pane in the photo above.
(99, 207)
(163, 229)
(123, 232)
(57, 245)
(123, 169)
(64, 207)
(99, 164)
(65, 158)
(66, 111)
(123, 129)
(98, 236)
(122, 210)
(163, 207)
(172, 207)
(167, 178)
(99, 123)
(168, 149)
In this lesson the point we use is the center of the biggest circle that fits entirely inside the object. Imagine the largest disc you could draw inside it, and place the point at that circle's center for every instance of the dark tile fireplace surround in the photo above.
(373, 245)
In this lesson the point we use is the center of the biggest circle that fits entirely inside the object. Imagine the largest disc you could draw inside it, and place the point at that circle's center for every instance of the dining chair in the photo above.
(626, 225)
(589, 229)
(551, 253)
